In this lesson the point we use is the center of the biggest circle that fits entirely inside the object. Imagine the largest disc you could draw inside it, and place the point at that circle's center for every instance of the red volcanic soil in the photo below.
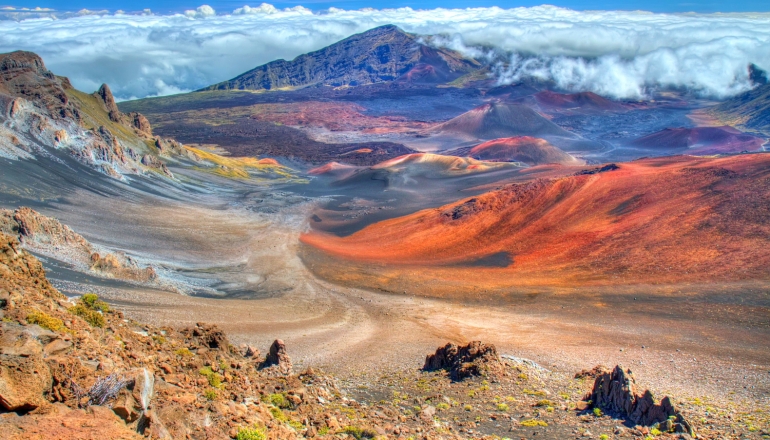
(268, 161)
(675, 219)
(702, 140)
(584, 101)
(335, 169)
(526, 149)
(498, 120)
(333, 116)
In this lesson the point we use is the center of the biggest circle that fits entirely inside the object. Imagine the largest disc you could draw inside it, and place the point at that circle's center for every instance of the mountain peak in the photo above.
(382, 54)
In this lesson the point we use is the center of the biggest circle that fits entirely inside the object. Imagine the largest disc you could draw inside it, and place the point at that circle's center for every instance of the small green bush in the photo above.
(544, 402)
(250, 434)
(359, 433)
(45, 320)
(502, 407)
(215, 379)
(278, 414)
(91, 300)
(279, 400)
(92, 317)
(210, 394)
(604, 437)
(442, 406)
(655, 432)
(531, 423)
(183, 352)
(598, 412)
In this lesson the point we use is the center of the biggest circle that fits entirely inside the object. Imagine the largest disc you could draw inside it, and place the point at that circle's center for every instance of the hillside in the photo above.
(379, 55)
(499, 120)
(750, 110)
(672, 219)
(525, 149)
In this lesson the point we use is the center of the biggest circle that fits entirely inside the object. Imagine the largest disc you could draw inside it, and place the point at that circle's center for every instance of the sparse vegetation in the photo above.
(210, 394)
(91, 309)
(279, 400)
(359, 433)
(214, 378)
(183, 352)
(502, 407)
(251, 434)
(45, 320)
(598, 412)
(531, 423)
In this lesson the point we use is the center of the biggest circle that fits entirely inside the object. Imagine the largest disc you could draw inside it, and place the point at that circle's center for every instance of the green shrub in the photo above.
(183, 352)
(655, 432)
(604, 437)
(531, 423)
(442, 406)
(210, 394)
(45, 320)
(91, 300)
(92, 317)
(544, 402)
(278, 414)
(598, 412)
(502, 407)
(251, 434)
(279, 400)
(359, 433)
(215, 379)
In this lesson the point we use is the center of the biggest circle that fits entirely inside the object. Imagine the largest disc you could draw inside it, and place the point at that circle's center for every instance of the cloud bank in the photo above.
(617, 54)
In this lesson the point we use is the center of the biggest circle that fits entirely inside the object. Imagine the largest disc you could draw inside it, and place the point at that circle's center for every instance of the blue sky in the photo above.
(228, 5)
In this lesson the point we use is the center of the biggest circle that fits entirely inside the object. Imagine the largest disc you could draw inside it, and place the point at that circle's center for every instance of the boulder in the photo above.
(277, 358)
(616, 393)
(206, 336)
(25, 378)
(474, 359)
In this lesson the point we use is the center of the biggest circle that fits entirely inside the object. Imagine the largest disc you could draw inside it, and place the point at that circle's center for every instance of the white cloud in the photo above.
(619, 54)
(201, 11)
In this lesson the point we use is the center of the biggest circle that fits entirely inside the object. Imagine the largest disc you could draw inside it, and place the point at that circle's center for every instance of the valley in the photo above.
(369, 212)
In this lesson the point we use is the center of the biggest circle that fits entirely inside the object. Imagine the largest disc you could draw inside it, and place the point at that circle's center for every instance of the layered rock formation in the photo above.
(41, 113)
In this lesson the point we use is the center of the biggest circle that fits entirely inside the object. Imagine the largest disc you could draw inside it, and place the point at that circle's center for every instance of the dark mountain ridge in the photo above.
(382, 54)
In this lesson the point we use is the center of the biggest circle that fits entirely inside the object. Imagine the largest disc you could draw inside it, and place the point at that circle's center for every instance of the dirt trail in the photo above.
(351, 331)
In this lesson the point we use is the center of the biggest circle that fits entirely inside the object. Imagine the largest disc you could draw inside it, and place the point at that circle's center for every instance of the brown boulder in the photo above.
(277, 358)
(63, 423)
(105, 94)
(24, 381)
(474, 359)
(616, 393)
(206, 336)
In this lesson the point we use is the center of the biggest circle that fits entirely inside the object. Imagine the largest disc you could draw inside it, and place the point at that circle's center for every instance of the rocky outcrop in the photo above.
(277, 360)
(105, 94)
(474, 359)
(615, 392)
(24, 376)
(23, 74)
(206, 336)
(50, 237)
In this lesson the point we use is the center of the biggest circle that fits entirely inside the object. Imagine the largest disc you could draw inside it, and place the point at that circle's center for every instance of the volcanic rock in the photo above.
(105, 94)
(207, 336)
(616, 393)
(24, 375)
(277, 358)
(474, 359)
(23, 74)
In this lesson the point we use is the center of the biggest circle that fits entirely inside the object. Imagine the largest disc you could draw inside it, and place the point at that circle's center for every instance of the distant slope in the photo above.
(750, 110)
(525, 149)
(585, 102)
(379, 55)
(701, 140)
(656, 220)
(499, 120)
